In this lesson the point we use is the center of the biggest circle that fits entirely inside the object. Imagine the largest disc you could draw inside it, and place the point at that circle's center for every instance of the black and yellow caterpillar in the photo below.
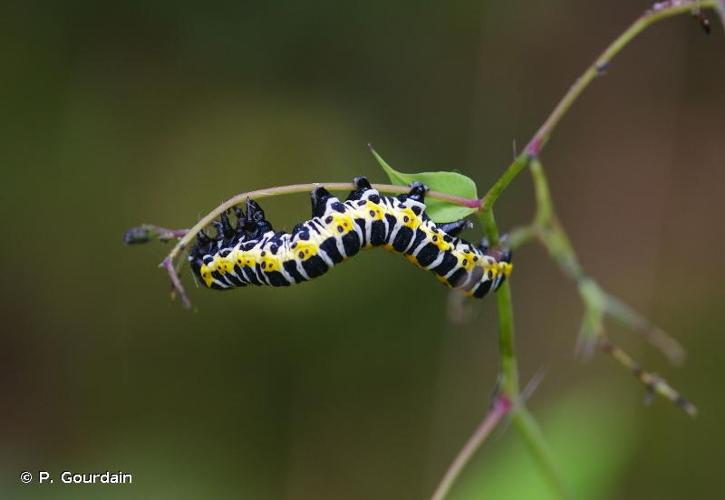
(252, 253)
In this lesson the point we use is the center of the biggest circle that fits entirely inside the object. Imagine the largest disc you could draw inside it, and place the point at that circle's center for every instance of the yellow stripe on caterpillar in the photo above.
(242, 259)
(303, 250)
(339, 224)
(409, 218)
(373, 211)
(205, 274)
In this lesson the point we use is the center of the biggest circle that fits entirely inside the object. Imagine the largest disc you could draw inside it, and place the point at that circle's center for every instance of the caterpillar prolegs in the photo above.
(252, 253)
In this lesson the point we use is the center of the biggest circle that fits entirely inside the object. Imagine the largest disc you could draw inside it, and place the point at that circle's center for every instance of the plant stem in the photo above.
(147, 232)
(558, 241)
(501, 406)
(509, 370)
(658, 12)
(547, 227)
(506, 348)
(168, 264)
(523, 421)
(502, 182)
(532, 435)
(598, 304)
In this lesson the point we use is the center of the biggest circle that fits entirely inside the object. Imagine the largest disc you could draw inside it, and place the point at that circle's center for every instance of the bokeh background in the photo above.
(355, 386)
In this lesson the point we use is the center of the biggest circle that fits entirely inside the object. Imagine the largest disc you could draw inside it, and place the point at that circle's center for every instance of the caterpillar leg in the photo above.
(241, 221)
(256, 223)
(319, 198)
(224, 227)
(417, 192)
(361, 185)
(501, 251)
(456, 227)
(203, 239)
(483, 245)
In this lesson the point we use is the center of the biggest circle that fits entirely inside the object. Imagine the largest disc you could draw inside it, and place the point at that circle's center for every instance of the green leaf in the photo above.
(445, 182)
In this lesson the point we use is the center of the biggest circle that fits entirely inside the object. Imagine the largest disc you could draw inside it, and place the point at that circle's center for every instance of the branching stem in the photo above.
(522, 419)
(658, 12)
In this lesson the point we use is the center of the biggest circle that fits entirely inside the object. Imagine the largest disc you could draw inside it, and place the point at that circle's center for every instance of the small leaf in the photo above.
(445, 182)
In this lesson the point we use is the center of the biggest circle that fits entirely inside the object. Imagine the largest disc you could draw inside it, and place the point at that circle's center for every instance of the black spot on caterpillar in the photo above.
(252, 253)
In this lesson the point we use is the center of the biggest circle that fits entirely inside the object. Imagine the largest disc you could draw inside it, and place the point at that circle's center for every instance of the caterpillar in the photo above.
(252, 253)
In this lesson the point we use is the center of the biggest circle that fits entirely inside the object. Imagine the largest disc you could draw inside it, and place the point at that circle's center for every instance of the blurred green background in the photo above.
(355, 386)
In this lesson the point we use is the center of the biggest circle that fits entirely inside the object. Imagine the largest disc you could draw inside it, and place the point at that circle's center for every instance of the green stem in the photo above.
(509, 369)
(548, 229)
(520, 236)
(506, 347)
(657, 13)
(524, 423)
(544, 205)
(502, 182)
(532, 435)
(547, 226)
(490, 229)
(598, 304)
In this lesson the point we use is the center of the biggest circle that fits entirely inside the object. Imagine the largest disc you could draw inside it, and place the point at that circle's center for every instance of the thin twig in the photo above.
(168, 264)
(653, 382)
(529, 429)
(629, 318)
(147, 232)
(599, 303)
(501, 406)
(657, 13)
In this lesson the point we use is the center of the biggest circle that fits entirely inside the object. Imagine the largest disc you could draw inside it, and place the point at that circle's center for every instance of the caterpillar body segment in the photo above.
(252, 253)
